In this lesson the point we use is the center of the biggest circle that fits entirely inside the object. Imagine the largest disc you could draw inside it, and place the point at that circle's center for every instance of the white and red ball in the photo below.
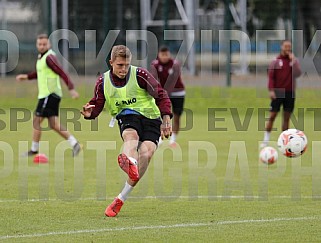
(268, 155)
(292, 143)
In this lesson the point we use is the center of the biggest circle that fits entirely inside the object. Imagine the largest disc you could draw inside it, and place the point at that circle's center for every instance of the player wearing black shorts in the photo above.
(48, 73)
(48, 106)
(284, 99)
(178, 105)
(283, 72)
(143, 110)
(147, 129)
(168, 72)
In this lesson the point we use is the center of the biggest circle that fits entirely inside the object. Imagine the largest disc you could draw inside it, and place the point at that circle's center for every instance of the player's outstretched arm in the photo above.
(54, 65)
(29, 76)
(22, 77)
(74, 94)
(95, 106)
(87, 109)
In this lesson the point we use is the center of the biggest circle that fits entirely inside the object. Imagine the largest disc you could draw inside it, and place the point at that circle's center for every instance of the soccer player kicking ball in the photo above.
(48, 73)
(143, 110)
(283, 72)
(168, 72)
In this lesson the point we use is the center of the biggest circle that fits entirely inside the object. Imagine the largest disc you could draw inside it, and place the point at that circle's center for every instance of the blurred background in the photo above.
(26, 19)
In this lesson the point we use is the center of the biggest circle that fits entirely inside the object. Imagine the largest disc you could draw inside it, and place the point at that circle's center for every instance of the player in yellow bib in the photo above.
(143, 110)
(48, 73)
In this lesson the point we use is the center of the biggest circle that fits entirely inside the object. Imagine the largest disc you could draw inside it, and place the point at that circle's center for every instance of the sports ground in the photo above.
(210, 188)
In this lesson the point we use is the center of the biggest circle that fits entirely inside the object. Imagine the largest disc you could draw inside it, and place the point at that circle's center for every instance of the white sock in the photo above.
(173, 138)
(266, 136)
(125, 192)
(72, 140)
(34, 146)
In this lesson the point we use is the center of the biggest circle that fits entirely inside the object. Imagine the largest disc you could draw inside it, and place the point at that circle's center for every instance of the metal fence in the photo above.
(26, 19)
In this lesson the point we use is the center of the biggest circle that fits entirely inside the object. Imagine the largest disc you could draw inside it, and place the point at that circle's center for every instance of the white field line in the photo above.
(163, 197)
(155, 227)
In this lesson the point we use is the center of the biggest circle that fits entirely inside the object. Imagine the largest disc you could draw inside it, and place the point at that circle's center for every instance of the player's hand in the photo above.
(87, 109)
(74, 94)
(22, 77)
(292, 57)
(166, 127)
(272, 94)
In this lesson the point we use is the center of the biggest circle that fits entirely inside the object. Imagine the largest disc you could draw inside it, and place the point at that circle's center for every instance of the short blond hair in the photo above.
(120, 51)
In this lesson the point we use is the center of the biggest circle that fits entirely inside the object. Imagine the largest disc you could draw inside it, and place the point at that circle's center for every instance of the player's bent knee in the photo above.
(130, 135)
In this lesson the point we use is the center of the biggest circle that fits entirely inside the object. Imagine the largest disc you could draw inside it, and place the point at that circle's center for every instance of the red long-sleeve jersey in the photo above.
(145, 81)
(168, 74)
(53, 63)
(282, 74)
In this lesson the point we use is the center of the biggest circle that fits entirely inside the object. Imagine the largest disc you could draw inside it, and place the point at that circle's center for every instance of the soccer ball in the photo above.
(292, 143)
(268, 155)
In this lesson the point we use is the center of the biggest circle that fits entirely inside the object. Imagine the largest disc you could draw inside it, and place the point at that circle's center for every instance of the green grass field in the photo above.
(210, 188)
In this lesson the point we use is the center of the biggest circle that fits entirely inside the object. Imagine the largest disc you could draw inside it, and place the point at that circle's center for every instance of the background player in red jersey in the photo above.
(283, 72)
(168, 72)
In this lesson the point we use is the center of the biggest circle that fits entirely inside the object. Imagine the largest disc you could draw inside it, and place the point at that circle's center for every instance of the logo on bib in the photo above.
(126, 102)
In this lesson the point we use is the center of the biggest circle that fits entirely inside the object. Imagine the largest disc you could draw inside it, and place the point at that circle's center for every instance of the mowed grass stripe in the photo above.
(165, 197)
(157, 227)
